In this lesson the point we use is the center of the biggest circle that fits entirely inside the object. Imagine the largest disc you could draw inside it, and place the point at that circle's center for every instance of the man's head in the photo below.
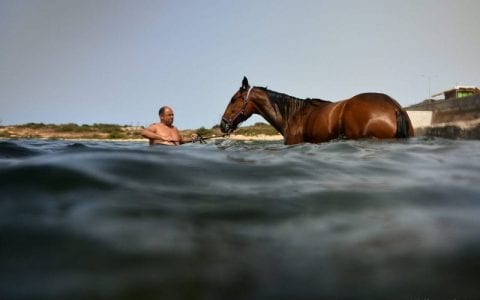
(166, 115)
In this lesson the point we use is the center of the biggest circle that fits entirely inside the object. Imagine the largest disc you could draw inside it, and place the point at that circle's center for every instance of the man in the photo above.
(165, 133)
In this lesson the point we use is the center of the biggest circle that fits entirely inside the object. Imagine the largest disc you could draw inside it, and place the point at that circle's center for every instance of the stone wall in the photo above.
(454, 118)
(453, 110)
(420, 118)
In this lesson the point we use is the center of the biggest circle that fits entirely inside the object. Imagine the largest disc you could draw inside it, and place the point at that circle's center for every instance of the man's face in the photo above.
(167, 117)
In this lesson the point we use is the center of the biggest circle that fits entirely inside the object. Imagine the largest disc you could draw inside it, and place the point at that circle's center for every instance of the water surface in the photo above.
(237, 220)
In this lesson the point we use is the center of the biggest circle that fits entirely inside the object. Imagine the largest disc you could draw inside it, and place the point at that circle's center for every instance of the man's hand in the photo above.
(197, 138)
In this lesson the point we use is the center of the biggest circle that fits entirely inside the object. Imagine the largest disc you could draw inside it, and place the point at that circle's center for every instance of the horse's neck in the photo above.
(278, 109)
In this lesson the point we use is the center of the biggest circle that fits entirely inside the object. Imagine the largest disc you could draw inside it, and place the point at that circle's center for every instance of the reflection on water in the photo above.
(234, 220)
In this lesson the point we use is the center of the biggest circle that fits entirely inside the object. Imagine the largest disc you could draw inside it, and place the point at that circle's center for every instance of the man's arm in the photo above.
(192, 138)
(181, 139)
(152, 134)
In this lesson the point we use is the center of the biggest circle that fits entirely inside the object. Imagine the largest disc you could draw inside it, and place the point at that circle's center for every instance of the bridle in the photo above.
(241, 112)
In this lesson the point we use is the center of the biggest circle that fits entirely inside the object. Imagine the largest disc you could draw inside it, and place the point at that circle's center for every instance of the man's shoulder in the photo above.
(162, 127)
(153, 125)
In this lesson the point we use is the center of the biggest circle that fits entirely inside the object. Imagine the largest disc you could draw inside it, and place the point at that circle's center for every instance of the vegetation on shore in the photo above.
(253, 130)
(112, 131)
(70, 130)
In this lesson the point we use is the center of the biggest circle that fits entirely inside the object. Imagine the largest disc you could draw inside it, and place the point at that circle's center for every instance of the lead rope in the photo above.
(200, 139)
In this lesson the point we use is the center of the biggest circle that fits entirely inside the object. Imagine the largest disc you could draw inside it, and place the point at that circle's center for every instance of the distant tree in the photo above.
(203, 131)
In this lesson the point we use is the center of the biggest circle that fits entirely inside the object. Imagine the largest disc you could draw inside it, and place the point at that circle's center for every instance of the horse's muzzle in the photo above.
(225, 126)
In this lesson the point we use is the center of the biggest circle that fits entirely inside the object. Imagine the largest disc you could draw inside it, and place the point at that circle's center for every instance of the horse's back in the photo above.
(372, 115)
(375, 100)
(367, 115)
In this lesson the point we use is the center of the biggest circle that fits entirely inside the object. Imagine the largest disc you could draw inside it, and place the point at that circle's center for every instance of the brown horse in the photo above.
(369, 115)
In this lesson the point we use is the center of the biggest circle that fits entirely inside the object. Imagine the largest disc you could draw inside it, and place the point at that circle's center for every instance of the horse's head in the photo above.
(238, 110)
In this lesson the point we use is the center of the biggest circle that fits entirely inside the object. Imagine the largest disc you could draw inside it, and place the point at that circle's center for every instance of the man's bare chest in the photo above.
(168, 132)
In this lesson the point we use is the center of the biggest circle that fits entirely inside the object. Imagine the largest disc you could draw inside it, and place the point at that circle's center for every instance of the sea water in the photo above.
(240, 220)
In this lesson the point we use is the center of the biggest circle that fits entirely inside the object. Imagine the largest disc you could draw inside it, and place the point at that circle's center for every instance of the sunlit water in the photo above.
(236, 220)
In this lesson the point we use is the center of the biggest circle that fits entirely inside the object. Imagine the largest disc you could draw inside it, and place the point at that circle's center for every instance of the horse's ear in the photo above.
(245, 84)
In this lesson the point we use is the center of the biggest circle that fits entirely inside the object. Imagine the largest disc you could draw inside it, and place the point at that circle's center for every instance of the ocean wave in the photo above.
(13, 150)
(237, 219)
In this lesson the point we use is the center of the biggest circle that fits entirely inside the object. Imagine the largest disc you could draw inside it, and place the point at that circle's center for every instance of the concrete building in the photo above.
(459, 91)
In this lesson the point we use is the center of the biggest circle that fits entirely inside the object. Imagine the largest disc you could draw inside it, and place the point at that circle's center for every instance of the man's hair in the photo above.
(162, 110)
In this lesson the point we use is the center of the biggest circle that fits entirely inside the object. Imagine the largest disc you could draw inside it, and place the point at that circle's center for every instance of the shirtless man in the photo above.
(165, 133)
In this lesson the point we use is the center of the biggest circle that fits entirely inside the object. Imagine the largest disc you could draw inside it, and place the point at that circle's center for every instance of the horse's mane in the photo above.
(288, 105)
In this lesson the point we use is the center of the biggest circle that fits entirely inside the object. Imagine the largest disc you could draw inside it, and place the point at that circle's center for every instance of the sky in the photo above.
(116, 61)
